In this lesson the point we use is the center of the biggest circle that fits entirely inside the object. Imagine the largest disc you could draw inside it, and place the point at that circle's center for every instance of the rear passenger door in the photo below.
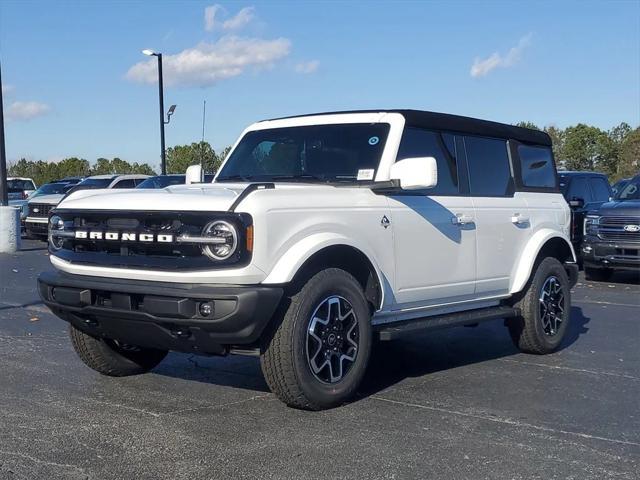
(501, 214)
(435, 257)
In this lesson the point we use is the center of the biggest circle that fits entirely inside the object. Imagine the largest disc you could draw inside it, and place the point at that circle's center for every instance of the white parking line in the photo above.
(506, 421)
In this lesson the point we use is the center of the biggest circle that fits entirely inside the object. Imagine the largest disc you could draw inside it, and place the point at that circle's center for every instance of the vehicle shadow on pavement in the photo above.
(34, 249)
(631, 278)
(233, 371)
(440, 350)
(390, 362)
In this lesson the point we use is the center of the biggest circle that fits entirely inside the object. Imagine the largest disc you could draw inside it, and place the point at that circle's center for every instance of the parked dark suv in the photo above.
(584, 192)
(612, 235)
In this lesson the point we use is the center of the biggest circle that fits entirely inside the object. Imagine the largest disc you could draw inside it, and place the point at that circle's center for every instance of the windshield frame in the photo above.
(395, 121)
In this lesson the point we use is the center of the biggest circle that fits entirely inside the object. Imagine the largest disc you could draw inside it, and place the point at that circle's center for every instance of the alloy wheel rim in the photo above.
(332, 339)
(552, 306)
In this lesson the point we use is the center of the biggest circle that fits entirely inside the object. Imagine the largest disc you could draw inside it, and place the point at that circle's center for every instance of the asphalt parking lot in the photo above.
(460, 403)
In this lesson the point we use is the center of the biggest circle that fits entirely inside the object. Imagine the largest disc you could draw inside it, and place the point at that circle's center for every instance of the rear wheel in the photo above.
(112, 358)
(597, 274)
(545, 308)
(317, 356)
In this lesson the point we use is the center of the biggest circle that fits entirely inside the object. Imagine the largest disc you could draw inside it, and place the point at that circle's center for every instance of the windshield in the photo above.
(51, 189)
(162, 181)
(94, 183)
(19, 185)
(344, 152)
(631, 191)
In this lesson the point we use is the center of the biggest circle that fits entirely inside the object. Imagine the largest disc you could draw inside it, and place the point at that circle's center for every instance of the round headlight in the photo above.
(227, 240)
(55, 223)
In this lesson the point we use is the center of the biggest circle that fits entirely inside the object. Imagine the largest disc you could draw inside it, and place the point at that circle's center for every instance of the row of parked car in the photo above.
(37, 203)
(605, 222)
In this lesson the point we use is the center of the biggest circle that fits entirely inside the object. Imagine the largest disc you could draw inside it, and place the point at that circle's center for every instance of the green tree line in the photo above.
(615, 152)
(178, 159)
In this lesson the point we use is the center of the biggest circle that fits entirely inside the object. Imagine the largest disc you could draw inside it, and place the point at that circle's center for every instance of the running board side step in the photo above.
(391, 331)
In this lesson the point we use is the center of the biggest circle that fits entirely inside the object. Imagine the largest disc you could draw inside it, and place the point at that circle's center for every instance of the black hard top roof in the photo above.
(455, 123)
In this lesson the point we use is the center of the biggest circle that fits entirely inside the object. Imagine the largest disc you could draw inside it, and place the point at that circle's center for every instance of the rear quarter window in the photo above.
(536, 167)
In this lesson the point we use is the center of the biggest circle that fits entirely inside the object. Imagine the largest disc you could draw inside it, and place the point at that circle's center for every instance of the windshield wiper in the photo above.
(243, 178)
(303, 176)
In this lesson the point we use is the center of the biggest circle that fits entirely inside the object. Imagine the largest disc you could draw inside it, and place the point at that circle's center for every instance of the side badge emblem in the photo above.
(385, 222)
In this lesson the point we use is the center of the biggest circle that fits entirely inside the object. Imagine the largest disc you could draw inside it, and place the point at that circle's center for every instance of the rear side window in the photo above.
(536, 164)
(600, 189)
(579, 188)
(441, 146)
(489, 169)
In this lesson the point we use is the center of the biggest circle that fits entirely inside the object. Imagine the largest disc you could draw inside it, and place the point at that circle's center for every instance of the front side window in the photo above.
(417, 142)
(536, 164)
(127, 183)
(489, 169)
(600, 189)
(579, 189)
(327, 153)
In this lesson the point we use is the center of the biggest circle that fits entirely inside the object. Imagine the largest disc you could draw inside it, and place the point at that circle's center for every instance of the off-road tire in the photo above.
(284, 351)
(527, 331)
(597, 274)
(108, 358)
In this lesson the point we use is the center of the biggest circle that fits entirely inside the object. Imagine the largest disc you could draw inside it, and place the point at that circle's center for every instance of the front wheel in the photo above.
(545, 308)
(317, 356)
(113, 358)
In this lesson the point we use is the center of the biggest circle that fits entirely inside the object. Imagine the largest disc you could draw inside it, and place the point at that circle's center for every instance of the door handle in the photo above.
(462, 219)
(518, 219)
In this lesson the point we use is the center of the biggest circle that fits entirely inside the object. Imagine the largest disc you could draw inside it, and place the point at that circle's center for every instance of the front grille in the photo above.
(41, 210)
(613, 229)
(169, 255)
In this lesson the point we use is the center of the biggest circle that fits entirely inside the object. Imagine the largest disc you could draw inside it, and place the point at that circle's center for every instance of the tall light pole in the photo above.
(163, 160)
(4, 199)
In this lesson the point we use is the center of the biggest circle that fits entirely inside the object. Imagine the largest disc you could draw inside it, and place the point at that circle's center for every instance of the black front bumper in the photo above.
(162, 315)
(598, 253)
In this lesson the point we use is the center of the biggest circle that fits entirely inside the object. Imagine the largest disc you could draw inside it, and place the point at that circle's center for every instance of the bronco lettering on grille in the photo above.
(123, 236)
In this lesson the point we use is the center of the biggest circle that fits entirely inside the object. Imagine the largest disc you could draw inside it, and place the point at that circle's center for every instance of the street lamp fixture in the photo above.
(172, 109)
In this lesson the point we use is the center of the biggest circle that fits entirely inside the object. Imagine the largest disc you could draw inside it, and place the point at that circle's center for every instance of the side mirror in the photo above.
(415, 173)
(576, 202)
(193, 174)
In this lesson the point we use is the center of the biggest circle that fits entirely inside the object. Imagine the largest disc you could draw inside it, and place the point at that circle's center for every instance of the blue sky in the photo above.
(72, 87)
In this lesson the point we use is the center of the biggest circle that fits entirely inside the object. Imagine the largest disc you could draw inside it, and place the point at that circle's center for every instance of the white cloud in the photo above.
(6, 88)
(26, 110)
(482, 67)
(307, 67)
(208, 63)
(238, 21)
(210, 17)
(242, 18)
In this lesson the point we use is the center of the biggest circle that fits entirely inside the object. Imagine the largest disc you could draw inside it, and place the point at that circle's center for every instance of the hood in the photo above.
(53, 199)
(623, 208)
(209, 197)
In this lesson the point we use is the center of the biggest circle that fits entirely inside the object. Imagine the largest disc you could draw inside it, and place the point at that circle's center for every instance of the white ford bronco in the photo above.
(319, 235)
